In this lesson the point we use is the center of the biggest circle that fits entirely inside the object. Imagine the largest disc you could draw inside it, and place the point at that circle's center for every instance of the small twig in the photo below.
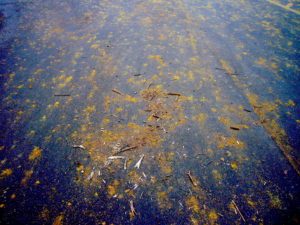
(132, 209)
(247, 110)
(173, 94)
(149, 85)
(116, 157)
(217, 68)
(156, 117)
(78, 146)
(208, 163)
(91, 175)
(238, 210)
(234, 128)
(116, 91)
(138, 164)
(126, 149)
(125, 164)
(233, 74)
(191, 178)
(62, 95)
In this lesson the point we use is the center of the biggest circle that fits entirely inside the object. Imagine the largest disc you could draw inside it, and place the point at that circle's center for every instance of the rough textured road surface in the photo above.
(149, 112)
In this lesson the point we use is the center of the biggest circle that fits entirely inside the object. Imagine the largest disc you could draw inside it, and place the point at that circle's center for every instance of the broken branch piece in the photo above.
(173, 94)
(78, 146)
(116, 91)
(132, 209)
(116, 157)
(126, 149)
(138, 164)
(191, 179)
(234, 128)
(238, 210)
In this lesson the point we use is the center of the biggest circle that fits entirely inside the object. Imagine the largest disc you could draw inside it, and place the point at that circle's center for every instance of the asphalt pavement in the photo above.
(149, 112)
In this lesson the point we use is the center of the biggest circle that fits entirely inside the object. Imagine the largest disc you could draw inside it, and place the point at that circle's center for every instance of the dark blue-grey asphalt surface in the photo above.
(149, 112)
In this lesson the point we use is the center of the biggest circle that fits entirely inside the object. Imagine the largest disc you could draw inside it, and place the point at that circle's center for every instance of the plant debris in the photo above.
(126, 149)
(79, 146)
(238, 210)
(191, 178)
(116, 157)
(247, 110)
(125, 163)
(173, 94)
(138, 164)
(62, 95)
(132, 209)
(117, 92)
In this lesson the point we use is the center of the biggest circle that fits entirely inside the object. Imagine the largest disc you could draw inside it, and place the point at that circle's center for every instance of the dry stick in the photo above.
(237, 208)
(126, 149)
(125, 163)
(149, 85)
(191, 178)
(156, 117)
(173, 94)
(247, 110)
(116, 91)
(132, 209)
(208, 163)
(62, 95)
(116, 157)
(217, 68)
(233, 74)
(138, 164)
(78, 146)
